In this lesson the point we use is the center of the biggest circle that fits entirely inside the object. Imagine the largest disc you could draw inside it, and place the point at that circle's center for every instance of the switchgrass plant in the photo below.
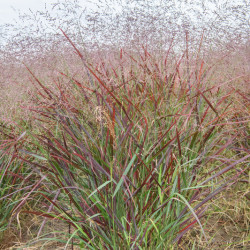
(130, 155)
(16, 179)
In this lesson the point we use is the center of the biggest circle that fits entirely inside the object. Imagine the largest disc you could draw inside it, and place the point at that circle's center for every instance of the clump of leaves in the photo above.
(127, 156)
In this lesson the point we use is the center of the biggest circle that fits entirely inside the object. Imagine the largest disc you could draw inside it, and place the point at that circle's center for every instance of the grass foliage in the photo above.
(128, 155)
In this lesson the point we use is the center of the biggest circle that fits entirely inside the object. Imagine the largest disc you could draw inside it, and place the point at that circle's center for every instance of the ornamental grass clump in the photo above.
(130, 154)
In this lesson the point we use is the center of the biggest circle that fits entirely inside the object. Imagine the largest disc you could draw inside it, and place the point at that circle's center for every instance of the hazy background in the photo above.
(28, 26)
